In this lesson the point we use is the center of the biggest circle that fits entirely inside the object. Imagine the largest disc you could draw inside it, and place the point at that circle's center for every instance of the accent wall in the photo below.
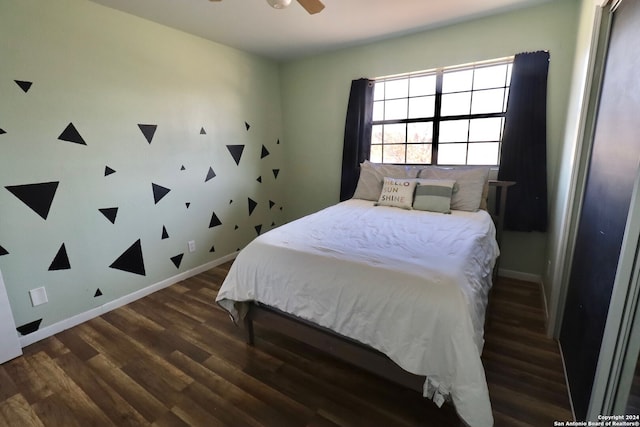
(121, 141)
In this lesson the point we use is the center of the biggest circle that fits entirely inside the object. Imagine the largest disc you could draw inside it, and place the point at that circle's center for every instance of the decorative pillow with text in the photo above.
(397, 192)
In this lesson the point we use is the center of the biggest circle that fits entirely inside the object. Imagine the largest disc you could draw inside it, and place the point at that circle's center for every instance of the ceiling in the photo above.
(253, 26)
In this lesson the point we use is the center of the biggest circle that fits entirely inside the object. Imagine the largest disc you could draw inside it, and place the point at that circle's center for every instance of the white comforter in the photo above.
(411, 284)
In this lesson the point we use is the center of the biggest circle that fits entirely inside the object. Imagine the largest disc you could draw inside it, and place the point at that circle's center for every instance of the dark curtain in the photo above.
(357, 135)
(524, 144)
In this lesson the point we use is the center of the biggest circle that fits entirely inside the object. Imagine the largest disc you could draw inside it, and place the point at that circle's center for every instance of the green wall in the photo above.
(315, 93)
(106, 72)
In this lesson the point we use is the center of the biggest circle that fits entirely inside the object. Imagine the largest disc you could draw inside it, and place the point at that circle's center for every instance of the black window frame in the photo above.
(437, 118)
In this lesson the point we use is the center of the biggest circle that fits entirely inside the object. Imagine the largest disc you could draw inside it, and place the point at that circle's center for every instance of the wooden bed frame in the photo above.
(347, 349)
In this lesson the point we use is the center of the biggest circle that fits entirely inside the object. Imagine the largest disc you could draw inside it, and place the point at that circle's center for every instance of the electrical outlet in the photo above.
(38, 296)
(192, 245)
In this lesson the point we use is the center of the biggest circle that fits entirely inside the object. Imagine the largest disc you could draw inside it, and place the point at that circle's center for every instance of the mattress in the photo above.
(411, 284)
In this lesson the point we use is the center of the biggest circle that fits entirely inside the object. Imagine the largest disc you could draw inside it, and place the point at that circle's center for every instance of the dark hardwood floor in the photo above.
(175, 359)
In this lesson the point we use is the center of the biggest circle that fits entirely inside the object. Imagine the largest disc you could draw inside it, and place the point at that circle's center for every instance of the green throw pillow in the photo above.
(434, 195)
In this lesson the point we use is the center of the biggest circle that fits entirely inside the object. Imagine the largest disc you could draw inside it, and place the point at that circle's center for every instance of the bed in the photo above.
(401, 292)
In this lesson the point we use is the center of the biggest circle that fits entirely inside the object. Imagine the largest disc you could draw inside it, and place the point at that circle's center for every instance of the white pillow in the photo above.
(397, 192)
(470, 181)
(372, 174)
(434, 195)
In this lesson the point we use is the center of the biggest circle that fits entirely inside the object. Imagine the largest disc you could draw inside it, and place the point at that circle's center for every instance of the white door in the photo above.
(9, 343)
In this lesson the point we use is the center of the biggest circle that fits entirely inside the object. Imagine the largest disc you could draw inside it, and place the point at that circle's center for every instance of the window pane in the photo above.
(394, 134)
(457, 81)
(452, 154)
(419, 153)
(454, 131)
(485, 129)
(490, 77)
(394, 153)
(378, 110)
(378, 91)
(455, 104)
(396, 88)
(376, 134)
(465, 92)
(423, 106)
(396, 109)
(420, 132)
(483, 153)
(376, 154)
(424, 85)
(487, 101)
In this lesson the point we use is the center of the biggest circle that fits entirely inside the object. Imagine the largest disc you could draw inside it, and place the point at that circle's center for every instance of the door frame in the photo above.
(9, 342)
(621, 341)
(582, 157)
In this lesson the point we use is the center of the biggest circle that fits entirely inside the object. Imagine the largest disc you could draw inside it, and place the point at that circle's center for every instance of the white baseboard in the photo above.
(545, 306)
(529, 277)
(519, 275)
(566, 379)
(70, 322)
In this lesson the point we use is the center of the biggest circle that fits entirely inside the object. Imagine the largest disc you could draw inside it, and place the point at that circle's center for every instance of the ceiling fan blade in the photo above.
(312, 6)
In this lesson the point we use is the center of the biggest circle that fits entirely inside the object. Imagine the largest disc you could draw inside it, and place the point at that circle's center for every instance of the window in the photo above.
(447, 116)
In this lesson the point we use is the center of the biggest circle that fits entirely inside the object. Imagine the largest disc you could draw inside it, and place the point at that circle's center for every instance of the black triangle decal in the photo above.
(271, 204)
(24, 85)
(236, 227)
(264, 153)
(247, 125)
(3, 251)
(37, 196)
(159, 192)
(98, 293)
(214, 220)
(71, 134)
(165, 235)
(148, 131)
(187, 204)
(276, 172)
(177, 260)
(213, 249)
(131, 260)
(108, 171)
(273, 224)
(61, 261)
(236, 152)
(259, 179)
(2, 131)
(182, 168)
(211, 174)
(258, 229)
(202, 131)
(30, 327)
(252, 205)
(110, 214)
(278, 142)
